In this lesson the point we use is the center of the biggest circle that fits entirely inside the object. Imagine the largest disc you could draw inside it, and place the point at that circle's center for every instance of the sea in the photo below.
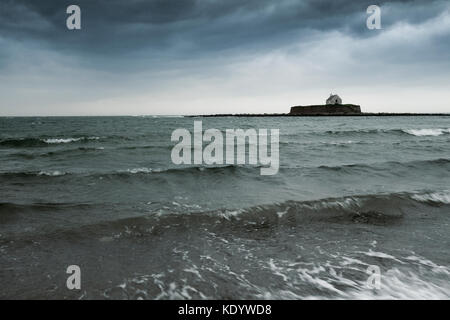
(359, 209)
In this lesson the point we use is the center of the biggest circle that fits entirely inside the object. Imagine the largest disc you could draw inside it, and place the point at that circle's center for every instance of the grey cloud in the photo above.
(163, 47)
(197, 26)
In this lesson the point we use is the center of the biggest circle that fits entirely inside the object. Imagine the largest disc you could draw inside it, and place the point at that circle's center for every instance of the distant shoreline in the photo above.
(368, 114)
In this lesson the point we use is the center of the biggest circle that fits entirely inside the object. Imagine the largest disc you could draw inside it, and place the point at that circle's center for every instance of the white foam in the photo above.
(435, 268)
(194, 270)
(282, 213)
(398, 285)
(140, 170)
(145, 170)
(346, 203)
(348, 261)
(381, 255)
(68, 140)
(230, 214)
(442, 197)
(277, 270)
(51, 173)
(56, 140)
(427, 132)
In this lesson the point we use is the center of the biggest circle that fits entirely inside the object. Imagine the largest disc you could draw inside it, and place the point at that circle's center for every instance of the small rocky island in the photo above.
(333, 106)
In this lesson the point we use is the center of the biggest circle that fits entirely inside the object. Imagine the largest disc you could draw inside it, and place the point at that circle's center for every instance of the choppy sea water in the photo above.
(102, 193)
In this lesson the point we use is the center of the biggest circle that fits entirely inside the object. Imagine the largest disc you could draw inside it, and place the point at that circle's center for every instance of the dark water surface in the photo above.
(102, 193)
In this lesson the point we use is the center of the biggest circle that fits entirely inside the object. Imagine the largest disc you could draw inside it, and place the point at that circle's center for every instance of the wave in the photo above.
(442, 197)
(343, 143)
(375, 209)
(414, 132)
(22, 142)
(46, 141)
(190, 169)
(356, 131)
(129, 172)
(143, 170)
(39, 142)
(68, 140)
(366, 208)
(427, 132)
(33, 155)
(34, 174)
(8, 207)
(25, 213)
(55, 173)
(387, 167)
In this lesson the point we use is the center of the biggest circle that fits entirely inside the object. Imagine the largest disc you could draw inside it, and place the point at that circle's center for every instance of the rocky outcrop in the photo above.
(336, 109)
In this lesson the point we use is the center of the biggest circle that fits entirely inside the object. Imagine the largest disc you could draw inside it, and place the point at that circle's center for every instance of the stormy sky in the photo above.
(172, 57)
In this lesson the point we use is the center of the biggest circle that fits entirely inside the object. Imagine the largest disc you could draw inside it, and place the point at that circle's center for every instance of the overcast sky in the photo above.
(221, 56)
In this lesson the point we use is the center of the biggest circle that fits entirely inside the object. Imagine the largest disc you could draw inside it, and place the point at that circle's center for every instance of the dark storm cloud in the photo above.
(188, 27)
(188, 55)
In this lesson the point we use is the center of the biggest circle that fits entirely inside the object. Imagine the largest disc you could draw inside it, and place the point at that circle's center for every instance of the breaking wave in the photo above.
(39, 142)
(385, 209)
(427, 132)
(68, 140)
(442, 197)
(55, 173)
(414, 132)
